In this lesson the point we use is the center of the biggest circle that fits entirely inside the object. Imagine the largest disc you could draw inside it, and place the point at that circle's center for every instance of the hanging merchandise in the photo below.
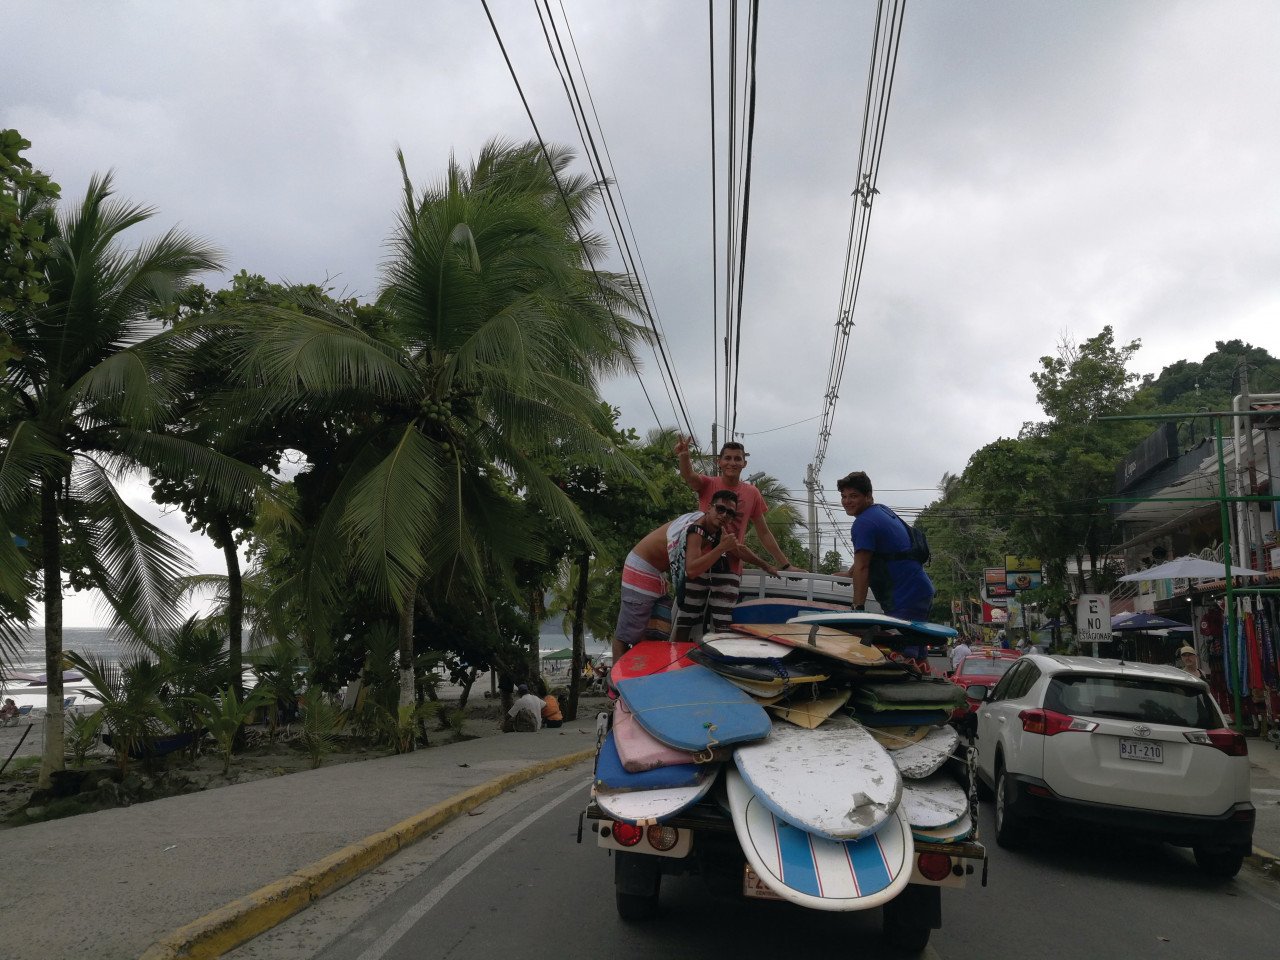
(1255, 654)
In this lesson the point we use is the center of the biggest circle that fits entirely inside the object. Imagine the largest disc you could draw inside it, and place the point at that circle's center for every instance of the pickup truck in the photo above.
(702, 840)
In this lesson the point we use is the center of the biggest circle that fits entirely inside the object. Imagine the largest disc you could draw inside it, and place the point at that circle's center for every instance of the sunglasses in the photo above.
(725, 511)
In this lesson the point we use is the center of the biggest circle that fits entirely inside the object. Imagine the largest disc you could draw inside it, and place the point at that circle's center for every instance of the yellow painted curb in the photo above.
(227, 927)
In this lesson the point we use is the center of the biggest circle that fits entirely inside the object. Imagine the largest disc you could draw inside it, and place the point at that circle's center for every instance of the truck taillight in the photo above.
(1230, 742)
(662, 838)
(627, 834)
(933, 866)
(1049, 722)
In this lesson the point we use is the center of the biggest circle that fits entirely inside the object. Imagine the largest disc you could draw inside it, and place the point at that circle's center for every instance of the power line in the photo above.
(604, 299)
(715, 241)
(753, 36)
(608, 181)
(886, 37)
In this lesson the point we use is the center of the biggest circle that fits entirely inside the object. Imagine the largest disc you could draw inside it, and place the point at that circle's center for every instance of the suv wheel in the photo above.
(1222, 864)
(1010, 832)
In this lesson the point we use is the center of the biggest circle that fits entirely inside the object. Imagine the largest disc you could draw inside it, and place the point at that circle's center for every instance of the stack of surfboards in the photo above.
(832, 753)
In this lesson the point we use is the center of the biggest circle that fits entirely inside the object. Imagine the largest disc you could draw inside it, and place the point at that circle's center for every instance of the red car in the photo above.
(985, 665)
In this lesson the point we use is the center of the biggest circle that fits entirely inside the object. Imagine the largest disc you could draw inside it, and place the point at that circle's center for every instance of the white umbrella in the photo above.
(1189, 568)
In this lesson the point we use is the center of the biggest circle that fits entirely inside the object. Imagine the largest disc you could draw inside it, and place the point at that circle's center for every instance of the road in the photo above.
(511, 881)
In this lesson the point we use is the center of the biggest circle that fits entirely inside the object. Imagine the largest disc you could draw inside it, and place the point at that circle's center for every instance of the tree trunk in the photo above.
(53, 757)
(235, 606)
(468, 681)
(583, 564)
(406, 648)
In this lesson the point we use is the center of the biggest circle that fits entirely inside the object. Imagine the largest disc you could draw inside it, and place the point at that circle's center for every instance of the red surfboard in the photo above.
(649, 657)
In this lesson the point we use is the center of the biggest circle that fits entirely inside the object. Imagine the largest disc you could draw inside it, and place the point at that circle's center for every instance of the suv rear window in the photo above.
(1132, 698)
(985, 666)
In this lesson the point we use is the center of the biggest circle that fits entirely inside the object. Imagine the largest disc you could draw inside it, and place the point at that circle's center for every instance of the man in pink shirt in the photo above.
(751, 505)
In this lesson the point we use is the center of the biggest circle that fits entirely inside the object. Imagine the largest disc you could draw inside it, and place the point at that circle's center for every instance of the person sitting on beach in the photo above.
(10, 709)
(551, 714)
(525, 715)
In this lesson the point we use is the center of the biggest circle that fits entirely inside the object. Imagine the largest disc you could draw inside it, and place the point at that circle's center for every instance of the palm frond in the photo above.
(223, 481)
(27, 452)
(393, 511)
(137, 563)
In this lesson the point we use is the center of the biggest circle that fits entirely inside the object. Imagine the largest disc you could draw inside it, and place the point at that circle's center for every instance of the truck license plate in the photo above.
(1141, 750)
(753, 886)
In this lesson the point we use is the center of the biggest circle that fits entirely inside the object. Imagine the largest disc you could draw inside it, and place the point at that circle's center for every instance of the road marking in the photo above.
(378, 949)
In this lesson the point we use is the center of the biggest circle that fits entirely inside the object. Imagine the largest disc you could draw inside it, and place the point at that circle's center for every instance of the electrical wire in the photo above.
(586, 250)
(752, 39)
(607, 179)
(886, 40)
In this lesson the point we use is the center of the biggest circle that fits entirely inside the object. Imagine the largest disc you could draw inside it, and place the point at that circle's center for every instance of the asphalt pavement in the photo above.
(205, 871)
(230, 862)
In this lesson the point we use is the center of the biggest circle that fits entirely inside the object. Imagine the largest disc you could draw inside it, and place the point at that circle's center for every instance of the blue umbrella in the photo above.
(1141, 621)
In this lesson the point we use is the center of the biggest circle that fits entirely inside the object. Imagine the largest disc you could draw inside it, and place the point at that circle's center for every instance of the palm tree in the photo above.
(498, 331)
(85, 400)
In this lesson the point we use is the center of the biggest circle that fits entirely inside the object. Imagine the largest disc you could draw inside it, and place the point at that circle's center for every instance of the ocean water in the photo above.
(87, 641)
(97, 642)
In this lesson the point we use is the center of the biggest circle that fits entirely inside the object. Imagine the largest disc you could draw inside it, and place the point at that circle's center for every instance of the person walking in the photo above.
(959, 652)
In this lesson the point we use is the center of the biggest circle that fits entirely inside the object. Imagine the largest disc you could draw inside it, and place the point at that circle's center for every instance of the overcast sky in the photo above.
(1049, 168)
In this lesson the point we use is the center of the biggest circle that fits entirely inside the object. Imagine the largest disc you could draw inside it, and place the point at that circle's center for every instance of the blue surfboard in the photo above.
(694, 709)
(815, 872)
(876, 621)
(773, 610)
(612, 774)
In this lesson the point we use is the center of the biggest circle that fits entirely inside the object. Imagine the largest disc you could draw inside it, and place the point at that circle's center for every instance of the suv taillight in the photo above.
(1230, 742)
(1050, 722)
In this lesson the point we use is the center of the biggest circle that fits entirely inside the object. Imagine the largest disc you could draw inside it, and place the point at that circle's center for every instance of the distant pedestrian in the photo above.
(959, 652)
(1189, 661)
(525, 715)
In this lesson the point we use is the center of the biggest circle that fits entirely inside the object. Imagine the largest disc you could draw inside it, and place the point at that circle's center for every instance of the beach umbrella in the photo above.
(1141, 621)
(565, 654)
(1189, 568)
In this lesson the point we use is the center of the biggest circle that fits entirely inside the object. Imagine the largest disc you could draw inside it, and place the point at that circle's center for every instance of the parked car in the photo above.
(983, 666)
(1139, 748)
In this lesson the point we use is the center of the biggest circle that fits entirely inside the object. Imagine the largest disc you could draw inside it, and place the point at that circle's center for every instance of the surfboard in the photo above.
(933, 803)
(650, 656)
(734, 646)
(645, 807)
(857, 620)
(611, 774)
(810, 713)
(900, 718)
(694, 709)
(836, 781)
(817, 873)
(895, 738)
(829, 642)
(779, 673)
(638, 750)
(924, 694)
(960, 830)
(925, 758)
(778, 610)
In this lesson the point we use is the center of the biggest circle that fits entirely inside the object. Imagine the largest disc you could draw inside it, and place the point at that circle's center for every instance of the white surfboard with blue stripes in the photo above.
(816, 873)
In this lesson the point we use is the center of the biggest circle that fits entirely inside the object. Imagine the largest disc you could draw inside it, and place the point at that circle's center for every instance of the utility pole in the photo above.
(811, 484)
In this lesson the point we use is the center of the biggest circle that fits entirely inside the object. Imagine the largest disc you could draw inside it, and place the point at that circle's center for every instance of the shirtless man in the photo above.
(644, 575)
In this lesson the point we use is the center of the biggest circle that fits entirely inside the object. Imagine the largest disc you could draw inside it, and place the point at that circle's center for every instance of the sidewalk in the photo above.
(111, 884)
(1264, 764)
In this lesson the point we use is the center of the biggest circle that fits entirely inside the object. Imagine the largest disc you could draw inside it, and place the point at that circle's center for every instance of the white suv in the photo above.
(1131, 746)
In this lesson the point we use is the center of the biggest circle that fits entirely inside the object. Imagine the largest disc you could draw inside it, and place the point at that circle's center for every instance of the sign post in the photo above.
(1093, 619)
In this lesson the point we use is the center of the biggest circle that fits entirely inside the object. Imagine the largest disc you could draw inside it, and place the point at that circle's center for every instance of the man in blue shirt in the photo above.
(882, 558)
